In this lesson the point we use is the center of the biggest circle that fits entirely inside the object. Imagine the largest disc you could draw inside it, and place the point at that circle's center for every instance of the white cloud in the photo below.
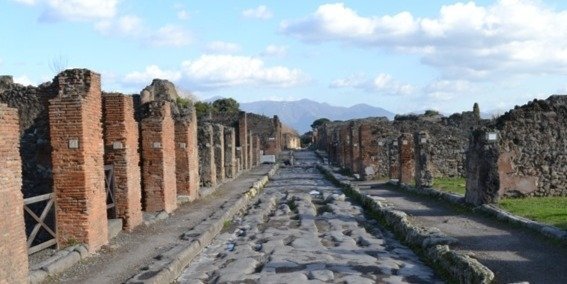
(24, 80)
(464, 41)
(382, 84)
(169, 35)
(151, 72)
(76, 10)
(261, 12)
(275, 50)
(183, 15)
(223, 47)
(128, 25)
(219, 71)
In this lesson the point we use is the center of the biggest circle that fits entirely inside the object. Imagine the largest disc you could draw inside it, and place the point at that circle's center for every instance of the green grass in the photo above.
(548, 210)
(453, 185)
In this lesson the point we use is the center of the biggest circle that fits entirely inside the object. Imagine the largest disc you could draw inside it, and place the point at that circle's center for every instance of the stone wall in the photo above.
(230, 162)
(121, 139)
(13, 252)
(78, 168)
(186, 153)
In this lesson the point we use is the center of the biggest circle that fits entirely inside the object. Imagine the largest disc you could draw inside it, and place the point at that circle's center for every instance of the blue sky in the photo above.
(404, 56)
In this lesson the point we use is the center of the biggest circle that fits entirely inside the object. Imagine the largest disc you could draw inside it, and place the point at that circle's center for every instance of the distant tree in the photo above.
(476, 110)
(306, 139)
(228, 105)
(58, 64)
(319, 122)
(183, 102)
(203, 109)
(431, 112)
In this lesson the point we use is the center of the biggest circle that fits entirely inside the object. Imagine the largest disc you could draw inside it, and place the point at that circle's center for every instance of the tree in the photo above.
(229, 105)
(476, 111)
(202, 109)
(319, 122)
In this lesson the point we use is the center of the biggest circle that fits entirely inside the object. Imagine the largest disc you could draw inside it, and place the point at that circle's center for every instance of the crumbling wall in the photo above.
(533, 144)
(207, 168)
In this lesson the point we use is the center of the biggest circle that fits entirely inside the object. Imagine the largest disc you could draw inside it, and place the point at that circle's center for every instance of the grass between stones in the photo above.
(548, 210)
(454, 185)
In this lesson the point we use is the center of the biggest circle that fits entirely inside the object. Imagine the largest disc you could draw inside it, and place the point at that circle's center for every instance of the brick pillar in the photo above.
(423, 176)
(207, 169)
(256, 150)
(407, 163)
(77, 157)
(366, 159)
(393, 160)
(277, 134)
(230, 153)
(186, 155)
(218, 142)
(158, 158)
(243, 139)
(250, 150)
(354, 148)
(343, 146)
(238, 152)
(483, 179)
(121, 151)
(13, 249)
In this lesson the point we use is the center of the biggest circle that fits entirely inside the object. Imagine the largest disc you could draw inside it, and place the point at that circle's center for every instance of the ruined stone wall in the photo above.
(121, 139)
(35, 147)
(13, 252)
(230, 162)
(218, 144)
(533, 145)
(242, 138)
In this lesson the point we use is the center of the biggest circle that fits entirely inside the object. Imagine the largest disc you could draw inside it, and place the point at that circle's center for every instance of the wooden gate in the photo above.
(32, 206)
(109, 185)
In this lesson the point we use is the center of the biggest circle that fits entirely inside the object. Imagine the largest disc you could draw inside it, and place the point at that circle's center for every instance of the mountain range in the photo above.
(300, 114)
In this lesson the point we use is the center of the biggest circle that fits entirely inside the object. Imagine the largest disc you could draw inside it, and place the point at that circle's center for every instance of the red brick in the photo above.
(187, 156)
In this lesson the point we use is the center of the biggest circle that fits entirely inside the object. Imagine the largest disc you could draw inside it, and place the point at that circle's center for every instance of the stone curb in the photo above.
(430, 241)
(500, 214)
(61, 261)
(171, 264)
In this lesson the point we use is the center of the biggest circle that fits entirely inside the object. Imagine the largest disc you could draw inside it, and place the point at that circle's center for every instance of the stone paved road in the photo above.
(302, 229)
(514, 254)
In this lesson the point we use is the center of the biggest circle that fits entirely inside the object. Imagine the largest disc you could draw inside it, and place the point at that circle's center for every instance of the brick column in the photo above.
(77, 157)
(250, 150)
(423, 176)
(229, 152)
(366, 157)
(483, 178)
(13, 252)
(256, 150)
(393, 159)
(218, 142)
(243, 139)
(207, 169)
(121, 151)
(343, 146)
(158, 158)
(354, 148)
(407, 164)
(186, 155)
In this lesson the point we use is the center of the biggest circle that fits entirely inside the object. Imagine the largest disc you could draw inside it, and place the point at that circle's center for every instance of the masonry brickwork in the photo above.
(483, 179)
(354, 147)
(121, 151)
(423, 176)
(13, 255)
(407, 162)
(207, 168)
(186, 153)
(78, 168)
(218, 145)
(158, 157)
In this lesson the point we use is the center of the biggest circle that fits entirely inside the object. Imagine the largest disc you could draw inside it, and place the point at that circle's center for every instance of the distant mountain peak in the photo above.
(301, 113)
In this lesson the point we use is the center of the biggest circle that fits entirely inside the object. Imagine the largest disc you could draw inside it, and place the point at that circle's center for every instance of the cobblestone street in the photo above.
(302, 228)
